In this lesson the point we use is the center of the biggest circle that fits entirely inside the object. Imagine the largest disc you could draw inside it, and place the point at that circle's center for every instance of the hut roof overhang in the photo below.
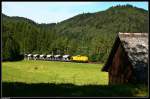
(136, 47)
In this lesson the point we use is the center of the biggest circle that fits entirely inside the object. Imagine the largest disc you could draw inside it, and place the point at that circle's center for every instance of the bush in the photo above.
(94, 57)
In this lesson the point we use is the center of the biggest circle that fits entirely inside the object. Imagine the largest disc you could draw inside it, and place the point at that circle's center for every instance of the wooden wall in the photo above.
(120, 70)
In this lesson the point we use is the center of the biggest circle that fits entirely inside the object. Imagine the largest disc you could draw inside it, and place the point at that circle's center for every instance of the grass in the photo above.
(53, 72)
(49, 78)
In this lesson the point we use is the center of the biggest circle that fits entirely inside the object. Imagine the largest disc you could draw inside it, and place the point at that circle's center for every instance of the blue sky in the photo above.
(53, 12)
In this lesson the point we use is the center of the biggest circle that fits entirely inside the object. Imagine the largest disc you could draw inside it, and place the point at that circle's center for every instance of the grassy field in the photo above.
(54, 72)
(48, 78)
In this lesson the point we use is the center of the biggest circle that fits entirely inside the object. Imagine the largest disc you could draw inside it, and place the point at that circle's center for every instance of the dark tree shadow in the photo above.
(17, 89)
(18, 58)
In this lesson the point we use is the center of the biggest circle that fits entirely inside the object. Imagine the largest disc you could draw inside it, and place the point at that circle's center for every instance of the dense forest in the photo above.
(90, 34)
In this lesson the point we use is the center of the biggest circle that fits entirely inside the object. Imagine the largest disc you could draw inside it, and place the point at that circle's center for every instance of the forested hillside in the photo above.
(90, 34)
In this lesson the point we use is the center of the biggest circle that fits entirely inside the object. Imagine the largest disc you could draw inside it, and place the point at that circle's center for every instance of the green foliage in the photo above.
(11, 49)
(94, 58)
(90, 34)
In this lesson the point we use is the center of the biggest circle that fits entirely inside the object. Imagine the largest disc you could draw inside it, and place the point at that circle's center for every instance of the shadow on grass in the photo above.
(17, 89)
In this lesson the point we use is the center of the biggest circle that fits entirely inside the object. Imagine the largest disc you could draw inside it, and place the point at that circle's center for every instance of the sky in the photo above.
(53, 12)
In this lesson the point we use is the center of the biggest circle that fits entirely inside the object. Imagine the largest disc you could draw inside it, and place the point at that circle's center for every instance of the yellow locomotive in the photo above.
(79, 58)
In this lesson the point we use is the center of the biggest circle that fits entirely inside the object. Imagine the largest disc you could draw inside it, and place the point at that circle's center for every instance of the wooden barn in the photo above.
(128, 59)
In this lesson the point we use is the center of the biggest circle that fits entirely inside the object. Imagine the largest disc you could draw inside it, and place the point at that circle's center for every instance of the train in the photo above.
(79, 58)
(49, 57)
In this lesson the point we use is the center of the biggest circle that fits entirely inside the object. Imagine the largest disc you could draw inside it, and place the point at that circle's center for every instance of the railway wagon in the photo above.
(79, 58)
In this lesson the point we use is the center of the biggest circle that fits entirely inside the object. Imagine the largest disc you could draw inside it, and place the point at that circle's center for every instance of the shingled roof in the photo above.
(136, 47)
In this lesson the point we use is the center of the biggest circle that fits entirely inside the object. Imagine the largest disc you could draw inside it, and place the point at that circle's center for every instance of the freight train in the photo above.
(49, 57)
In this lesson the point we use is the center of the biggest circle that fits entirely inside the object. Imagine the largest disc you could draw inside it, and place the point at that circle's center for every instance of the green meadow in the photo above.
(53, 78)
(54, 72)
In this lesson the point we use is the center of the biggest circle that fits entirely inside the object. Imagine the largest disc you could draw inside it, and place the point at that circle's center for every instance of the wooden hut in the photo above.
(128, 59)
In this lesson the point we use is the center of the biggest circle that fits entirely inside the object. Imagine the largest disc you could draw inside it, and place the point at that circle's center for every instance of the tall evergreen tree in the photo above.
(11, 49)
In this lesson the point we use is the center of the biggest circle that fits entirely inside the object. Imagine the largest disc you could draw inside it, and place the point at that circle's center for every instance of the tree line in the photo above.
(90, 34)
